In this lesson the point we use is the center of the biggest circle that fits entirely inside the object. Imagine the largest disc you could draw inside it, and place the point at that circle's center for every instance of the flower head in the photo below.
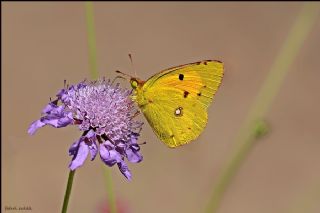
(105, 114)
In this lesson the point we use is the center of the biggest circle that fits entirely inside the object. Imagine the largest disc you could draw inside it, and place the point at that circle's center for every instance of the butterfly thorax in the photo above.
(138, 95)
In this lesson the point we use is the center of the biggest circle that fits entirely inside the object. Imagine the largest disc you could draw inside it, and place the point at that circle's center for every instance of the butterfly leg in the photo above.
(136, 114)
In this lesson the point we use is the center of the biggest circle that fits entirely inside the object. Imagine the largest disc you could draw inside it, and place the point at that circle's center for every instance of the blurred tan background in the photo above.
(45, 43)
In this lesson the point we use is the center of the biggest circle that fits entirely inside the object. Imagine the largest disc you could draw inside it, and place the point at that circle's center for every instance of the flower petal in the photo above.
(49, 108)
(74, 147)
(104, 154)
(57, 110)
(80, 156)
(90, 134)
(132, 152)
(133, 156)
(124, 170)
(34, 126)
(93, 149)
(109, 145)
(109, 156)
(65, 121)
(115, 155)
(56, 121)
(50, 120)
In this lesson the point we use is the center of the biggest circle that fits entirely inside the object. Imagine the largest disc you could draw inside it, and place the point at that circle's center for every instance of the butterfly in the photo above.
(175, 101)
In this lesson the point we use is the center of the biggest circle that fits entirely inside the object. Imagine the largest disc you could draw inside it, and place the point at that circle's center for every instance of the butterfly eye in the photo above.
(134, 84)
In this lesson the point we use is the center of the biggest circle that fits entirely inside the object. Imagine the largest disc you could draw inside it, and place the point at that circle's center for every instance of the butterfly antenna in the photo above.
(117, 71)
(130, 57)
(117, 77)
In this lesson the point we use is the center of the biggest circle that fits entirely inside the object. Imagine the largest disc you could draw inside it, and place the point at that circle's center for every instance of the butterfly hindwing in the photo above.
(174, 121)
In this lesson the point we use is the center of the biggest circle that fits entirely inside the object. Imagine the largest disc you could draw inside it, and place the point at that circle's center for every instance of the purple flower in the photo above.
(105, 113)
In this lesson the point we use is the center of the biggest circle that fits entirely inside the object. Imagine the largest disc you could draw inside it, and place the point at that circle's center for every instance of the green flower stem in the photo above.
(110, 191)
(91, 40)
(68, 191)
(247, 134)
(95, 75)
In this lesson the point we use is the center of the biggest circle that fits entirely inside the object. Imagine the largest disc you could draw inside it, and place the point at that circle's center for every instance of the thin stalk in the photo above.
(110, 190)
(91, 40)
(68, 191)
(94, 75)
(247, 135)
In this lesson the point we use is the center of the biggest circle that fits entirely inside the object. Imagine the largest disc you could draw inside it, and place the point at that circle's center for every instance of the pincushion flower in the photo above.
(105, 114)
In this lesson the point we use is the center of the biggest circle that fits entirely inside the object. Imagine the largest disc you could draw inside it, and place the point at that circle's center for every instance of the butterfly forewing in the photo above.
(177, 100)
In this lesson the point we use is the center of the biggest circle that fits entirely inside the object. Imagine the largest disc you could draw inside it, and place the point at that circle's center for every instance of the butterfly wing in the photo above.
(176, 100)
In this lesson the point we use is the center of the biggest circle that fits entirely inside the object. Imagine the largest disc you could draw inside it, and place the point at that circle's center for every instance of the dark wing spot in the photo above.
(181, 76)
(185, 94)
(189, 128)
(205, 62)
(205, 86)
(199, 94)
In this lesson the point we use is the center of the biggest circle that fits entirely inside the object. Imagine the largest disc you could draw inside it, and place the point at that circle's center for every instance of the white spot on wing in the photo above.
(178, 111)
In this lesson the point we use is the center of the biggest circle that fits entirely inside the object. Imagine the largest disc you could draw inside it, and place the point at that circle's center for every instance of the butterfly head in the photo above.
(135, 82)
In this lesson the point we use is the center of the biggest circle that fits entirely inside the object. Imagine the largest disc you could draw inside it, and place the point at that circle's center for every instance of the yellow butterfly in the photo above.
(175, 101)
